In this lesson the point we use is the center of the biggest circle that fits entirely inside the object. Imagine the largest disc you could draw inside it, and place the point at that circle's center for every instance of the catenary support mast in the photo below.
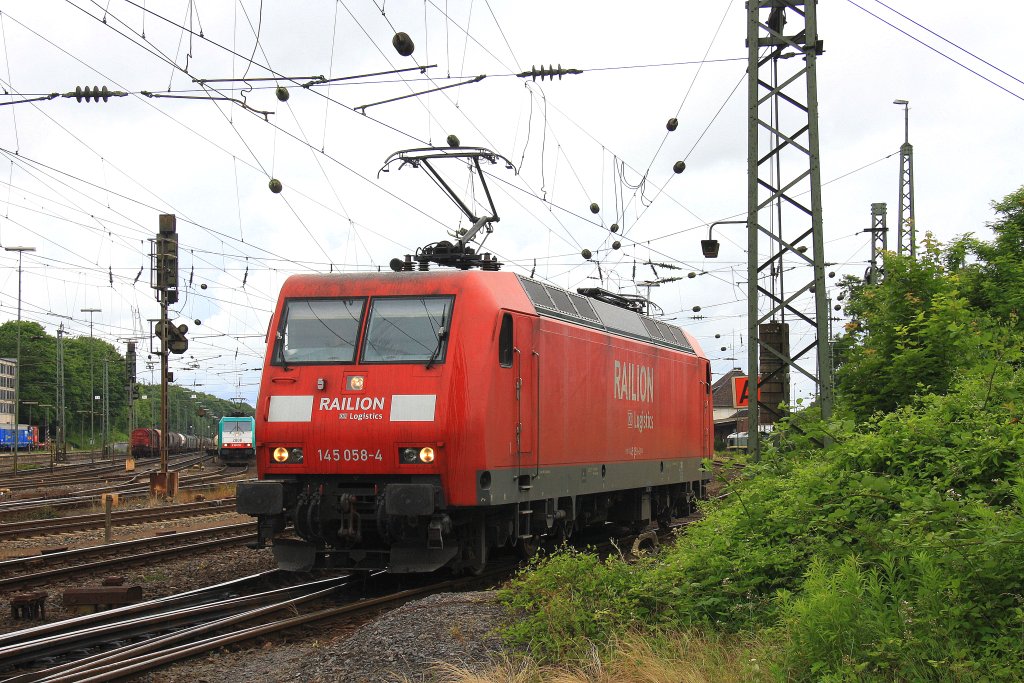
(784, 224)
(907, 237)
(879, 242)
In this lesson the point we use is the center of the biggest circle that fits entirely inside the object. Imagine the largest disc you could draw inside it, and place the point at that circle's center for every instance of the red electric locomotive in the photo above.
(416, 420)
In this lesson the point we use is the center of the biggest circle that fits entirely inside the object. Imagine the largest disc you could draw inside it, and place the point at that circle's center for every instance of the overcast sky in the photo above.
(84, 183)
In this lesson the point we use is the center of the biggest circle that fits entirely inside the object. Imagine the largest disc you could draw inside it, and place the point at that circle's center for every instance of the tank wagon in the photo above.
(145, 443)
(417, 420)
(235, 439)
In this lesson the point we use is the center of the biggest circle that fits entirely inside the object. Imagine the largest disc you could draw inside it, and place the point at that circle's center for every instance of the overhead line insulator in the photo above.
(94, 93)
(549, 72)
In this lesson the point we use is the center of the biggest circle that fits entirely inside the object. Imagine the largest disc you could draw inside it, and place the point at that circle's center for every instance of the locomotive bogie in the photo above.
(417, 420)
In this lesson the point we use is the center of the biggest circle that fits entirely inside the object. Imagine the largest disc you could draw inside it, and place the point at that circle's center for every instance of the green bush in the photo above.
(894, 554)
(571, 599)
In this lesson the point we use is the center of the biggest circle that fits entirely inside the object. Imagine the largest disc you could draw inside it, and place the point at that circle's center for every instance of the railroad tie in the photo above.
(98, 598)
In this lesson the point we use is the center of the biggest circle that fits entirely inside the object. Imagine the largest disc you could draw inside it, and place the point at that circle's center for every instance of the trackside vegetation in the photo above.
(894, 554)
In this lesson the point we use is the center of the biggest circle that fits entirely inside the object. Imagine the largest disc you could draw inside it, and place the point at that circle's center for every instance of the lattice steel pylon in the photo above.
(784, 226)
(906, 234)
(879, 242)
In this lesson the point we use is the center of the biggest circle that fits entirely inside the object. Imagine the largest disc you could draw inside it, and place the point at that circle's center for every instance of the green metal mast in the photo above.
(784, 225)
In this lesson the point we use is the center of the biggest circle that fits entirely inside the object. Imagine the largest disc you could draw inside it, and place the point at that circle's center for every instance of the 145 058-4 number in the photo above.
(348, 455)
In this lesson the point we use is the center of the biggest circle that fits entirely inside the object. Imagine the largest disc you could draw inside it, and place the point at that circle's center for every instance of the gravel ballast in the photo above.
(403, 645)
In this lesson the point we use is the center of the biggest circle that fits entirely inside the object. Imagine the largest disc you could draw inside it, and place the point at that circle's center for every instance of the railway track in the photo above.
(42, 458)
(155, 619)
(44, 527)
(48, 506)
(86, 497)
(82, 476)
(144, 637)
(24, 572)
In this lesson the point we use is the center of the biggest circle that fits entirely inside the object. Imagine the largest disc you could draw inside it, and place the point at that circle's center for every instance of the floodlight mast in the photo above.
(460, 254)
(906, 238)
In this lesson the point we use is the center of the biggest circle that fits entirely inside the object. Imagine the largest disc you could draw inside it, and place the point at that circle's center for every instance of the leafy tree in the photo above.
(931, 317)
(83, 378)
(994, 281)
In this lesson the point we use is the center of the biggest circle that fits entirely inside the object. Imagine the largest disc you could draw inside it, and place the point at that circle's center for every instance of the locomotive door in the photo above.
(526, 363)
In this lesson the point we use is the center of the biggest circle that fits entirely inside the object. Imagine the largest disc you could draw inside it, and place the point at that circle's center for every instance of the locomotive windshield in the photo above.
(237, 432)
(407, 330)
(318, 331)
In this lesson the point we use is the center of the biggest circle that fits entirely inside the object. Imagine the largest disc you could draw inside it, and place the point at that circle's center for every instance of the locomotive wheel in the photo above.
(474, 551)
(559, 536)
(526, 548)
(477, 564)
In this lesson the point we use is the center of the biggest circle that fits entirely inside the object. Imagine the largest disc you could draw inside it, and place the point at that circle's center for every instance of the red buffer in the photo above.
(417, 420)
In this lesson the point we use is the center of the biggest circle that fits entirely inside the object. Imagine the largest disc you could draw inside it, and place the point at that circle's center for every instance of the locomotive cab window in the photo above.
(318, 331)
(407, 330)
(505, 341)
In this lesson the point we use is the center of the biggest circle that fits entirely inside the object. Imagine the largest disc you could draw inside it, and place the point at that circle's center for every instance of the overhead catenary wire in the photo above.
(574, 231)
(184, 28)
(938, 51)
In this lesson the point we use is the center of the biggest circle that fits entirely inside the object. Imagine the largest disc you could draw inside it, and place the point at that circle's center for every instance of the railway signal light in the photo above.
(130, 361)
(174, 335)
(165, 259)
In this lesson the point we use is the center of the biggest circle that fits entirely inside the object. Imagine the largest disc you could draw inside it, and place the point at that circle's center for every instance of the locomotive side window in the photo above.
(318, 331)
(505, 342)
(407, 330)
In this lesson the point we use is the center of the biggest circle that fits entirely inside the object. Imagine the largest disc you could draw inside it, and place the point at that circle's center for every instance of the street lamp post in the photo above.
(17, 368)
(92, 387)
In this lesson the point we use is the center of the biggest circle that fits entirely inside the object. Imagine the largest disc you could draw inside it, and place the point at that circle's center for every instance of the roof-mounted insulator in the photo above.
(549, 72)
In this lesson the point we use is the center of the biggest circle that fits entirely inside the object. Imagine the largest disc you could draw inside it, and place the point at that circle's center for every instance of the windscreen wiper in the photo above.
(442, 334)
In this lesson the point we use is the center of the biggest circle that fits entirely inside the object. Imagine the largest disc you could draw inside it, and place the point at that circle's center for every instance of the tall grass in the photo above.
(688, 657)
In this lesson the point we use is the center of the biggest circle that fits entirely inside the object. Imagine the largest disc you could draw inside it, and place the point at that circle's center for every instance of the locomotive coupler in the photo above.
(349, 518)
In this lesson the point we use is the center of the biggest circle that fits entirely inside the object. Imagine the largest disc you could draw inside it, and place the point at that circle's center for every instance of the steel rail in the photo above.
(89, 472)
(223, 475)
(55, 627)
(41, 527)
(47, 574)
(145, 656)
(160, 620)
(22, 506)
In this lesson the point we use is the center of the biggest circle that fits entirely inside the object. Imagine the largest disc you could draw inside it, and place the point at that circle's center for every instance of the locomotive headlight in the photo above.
(287, 455)
(354, 383)
(416, 456)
